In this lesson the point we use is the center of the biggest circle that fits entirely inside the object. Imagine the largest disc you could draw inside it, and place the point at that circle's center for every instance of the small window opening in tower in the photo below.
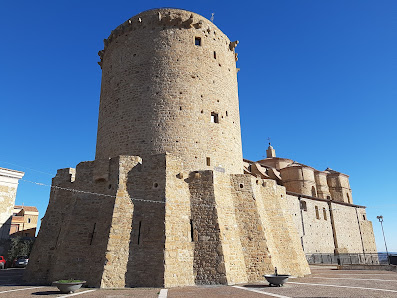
(325, 214)
(364, 217)
(139, 233)
(28, 220)
(303, 206)
(214, 55)
(214, 117)
(191, 231)
(317, 213)
(208, 160)
(197, 41)
(314, 193)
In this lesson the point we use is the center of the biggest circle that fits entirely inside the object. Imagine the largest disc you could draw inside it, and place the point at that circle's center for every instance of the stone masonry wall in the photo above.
(299, 179)
(133, 222)
(159, 90)
(347, 229)
(146, 186)
(8, 190)
(316, 233)
(232, 242)
(90, 233)
(74, 233)
(208, 265)
(352, 231)
(267, 232)
(367, 232)
(179, 243)
(280, 231)
(7, 201)
(253, 240)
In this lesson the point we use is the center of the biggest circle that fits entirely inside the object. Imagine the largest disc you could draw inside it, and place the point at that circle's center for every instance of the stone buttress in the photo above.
(128, 222)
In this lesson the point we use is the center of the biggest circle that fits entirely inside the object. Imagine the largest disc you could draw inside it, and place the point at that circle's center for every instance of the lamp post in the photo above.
(380, 218)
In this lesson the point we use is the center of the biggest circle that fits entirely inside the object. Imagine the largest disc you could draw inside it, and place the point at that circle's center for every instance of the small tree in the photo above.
(19, 247)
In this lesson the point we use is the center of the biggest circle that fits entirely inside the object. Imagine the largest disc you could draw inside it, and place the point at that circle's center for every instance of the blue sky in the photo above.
(317, 77)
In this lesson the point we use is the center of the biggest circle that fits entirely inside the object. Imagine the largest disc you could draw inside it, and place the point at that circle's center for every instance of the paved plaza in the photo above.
(325, 281)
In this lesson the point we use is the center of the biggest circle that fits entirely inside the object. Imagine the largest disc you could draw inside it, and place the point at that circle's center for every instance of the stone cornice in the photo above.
(10, 177)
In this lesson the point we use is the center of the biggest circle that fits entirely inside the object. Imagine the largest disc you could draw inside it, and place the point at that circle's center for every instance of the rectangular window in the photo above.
(303, 206)
(139, 232)
(191, 231)
(317, 213)
(325, 214)
(208, 161)
(214, 118)
(197, 41)
(214, 55)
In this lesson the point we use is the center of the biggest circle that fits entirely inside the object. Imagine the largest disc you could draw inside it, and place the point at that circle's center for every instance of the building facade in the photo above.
(9, 180)
(321, 204)
(168, 200)
(24, 221)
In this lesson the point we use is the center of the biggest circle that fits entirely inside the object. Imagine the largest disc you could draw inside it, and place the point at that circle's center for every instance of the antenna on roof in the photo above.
(212, 17)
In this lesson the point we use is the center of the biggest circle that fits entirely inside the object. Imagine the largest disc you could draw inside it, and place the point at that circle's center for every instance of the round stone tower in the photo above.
(169, 84)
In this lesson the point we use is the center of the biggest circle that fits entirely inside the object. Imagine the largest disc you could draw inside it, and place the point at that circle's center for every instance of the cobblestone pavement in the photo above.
(323, 282)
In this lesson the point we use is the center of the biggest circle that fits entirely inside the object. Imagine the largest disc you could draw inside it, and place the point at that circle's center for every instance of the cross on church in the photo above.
(268, 140)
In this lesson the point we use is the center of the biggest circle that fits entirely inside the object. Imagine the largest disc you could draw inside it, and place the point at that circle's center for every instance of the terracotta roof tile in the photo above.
(27, 208)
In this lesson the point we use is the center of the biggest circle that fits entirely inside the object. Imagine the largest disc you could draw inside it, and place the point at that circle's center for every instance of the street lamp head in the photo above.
(380, 218)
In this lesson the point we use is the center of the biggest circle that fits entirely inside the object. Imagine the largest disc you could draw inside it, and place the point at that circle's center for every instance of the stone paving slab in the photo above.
(215, 291)
(323, 282)
(29, 291)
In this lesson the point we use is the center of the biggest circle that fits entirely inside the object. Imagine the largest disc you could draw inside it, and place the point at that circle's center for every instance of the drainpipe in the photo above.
(303, 225)
(361, 236)
(331, 215)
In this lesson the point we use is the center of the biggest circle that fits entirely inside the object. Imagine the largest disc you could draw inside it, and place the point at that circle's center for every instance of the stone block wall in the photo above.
(133, 222)
(316, 233)
(299, 179)
(352, 230)
(8, 191)
(7, 201)
(339, 187)
(280, 231)
(163, 92)
(88, 230)
(322, 185)
(337, 228)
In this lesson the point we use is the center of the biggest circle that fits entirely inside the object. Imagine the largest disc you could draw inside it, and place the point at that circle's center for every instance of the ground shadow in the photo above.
(44, 293)
(257, 286)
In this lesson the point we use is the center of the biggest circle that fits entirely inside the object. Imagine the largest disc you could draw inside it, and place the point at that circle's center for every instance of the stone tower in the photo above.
(165, 202)
(169, 84)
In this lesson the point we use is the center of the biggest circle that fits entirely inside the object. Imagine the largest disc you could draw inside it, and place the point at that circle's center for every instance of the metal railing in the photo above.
(348, 259)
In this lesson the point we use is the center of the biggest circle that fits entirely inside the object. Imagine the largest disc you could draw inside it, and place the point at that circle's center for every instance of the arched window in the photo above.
(325, 213)
(303, 206)
(314, 193)
(317, 213)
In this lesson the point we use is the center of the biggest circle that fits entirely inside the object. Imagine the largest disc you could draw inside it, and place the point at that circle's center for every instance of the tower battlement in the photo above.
(168, 18)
